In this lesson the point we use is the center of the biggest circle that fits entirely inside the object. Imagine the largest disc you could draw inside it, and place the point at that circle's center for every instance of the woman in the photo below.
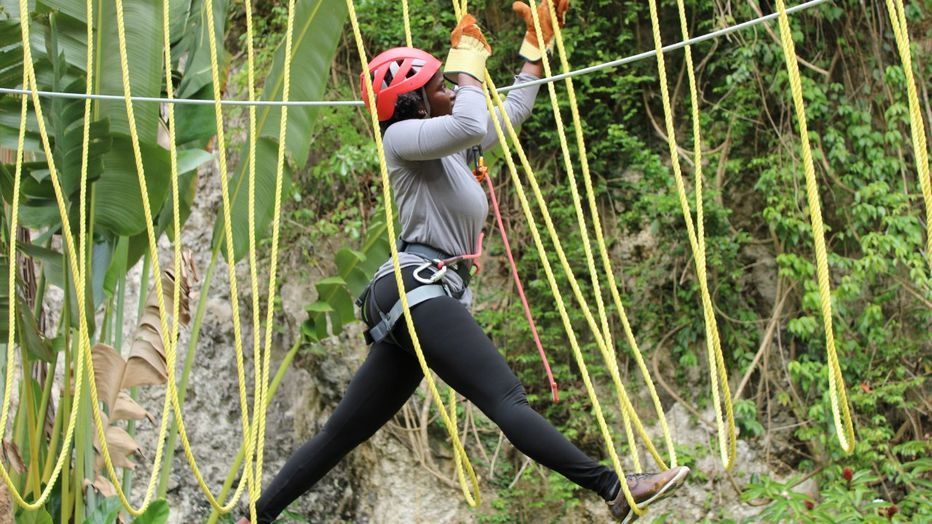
(428, 131)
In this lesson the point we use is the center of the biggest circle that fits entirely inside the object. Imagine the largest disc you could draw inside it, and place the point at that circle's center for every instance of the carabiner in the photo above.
(435, 277)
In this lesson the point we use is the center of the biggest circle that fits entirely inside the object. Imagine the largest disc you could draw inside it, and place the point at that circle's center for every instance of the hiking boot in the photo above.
(646, 488)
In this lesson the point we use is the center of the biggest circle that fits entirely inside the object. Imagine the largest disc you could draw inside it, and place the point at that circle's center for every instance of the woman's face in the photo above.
(439, 96)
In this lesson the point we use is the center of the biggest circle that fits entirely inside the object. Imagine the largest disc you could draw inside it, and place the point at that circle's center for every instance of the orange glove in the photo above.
(468, 51)
(529, 47)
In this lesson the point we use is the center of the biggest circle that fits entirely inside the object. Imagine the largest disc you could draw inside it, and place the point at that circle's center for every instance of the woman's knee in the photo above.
(502, 406)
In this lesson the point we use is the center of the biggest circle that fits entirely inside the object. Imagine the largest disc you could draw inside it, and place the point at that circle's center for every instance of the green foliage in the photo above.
(336, 294)
(841, 499)
(106, 512)
(156, 513)
(39, 516)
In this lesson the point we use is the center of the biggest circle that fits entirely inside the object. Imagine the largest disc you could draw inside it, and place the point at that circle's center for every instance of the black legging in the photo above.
(463, 356)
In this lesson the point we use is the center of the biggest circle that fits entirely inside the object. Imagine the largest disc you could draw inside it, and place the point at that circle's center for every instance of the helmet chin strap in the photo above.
(426, 101)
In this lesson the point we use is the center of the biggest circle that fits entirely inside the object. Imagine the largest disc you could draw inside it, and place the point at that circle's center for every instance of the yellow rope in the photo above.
(273, 270)
(490, 94)
(248, 435)
(609, 356)
(608, 348)
(568, 271)
(837, 393)
(713, 346)
(11, 318)
(717, 372)
(548, 270)
(389, 219)
(407, 22)
(255, 478)
(901, 34)
(253, 269)
(30, 83)
(168, 341)
(603, 251)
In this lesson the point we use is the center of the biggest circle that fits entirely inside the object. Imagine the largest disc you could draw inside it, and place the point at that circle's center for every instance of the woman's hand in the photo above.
(468, 52)
(530, 49)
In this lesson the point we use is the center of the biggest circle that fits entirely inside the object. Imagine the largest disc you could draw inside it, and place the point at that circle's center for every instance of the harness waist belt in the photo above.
(462, 268)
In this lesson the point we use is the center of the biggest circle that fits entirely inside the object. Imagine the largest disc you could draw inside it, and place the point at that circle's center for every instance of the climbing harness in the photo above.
(435, 276)
(439, 261)
(384, 328)
(431, 273)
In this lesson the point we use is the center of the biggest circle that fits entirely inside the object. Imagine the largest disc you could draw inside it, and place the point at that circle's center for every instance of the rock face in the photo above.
(6, 505)
(708, 494)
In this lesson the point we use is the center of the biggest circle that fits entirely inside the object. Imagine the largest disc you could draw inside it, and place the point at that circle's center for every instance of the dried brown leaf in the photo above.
(141, 372)
(103, 486)
(148, 342)
(127, 409)
(108, 373)
(11, 456)
(120, 445)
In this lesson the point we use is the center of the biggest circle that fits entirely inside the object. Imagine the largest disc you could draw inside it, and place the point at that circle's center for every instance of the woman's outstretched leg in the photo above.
(458, 350)
(378, 390)
(464, 357)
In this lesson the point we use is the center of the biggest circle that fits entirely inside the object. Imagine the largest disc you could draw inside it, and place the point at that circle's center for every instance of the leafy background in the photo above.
(757, 233)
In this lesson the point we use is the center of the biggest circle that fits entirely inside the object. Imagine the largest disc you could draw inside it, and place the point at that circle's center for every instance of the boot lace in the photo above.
(638, 476)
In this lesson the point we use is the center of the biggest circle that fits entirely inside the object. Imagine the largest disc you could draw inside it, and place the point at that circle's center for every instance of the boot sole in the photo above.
(662, 493)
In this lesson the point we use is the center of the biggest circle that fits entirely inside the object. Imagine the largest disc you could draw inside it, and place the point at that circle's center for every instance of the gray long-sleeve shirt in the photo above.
(440, 203)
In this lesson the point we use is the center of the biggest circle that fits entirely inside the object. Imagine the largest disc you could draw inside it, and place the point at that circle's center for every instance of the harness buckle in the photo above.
(435, 277)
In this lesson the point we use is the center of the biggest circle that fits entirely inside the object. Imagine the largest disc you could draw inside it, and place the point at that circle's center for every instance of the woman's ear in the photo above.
(422, 112)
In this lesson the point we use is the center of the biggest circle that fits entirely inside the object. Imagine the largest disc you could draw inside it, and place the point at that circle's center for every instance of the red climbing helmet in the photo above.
(397, 71)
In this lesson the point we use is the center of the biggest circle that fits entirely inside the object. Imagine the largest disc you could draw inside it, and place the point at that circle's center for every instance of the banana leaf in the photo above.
(189, 160)
(4, 298)
(195, 44)
(195, 125)
(54, 267)
(143, 23)
(318, 27)
(27, 329)
(118, 204)
(11, 54)
(118, 200)
(70, 30)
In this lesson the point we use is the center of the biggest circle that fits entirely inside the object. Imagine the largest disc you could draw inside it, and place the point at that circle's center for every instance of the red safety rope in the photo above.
(481, 173)
(474, 256)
